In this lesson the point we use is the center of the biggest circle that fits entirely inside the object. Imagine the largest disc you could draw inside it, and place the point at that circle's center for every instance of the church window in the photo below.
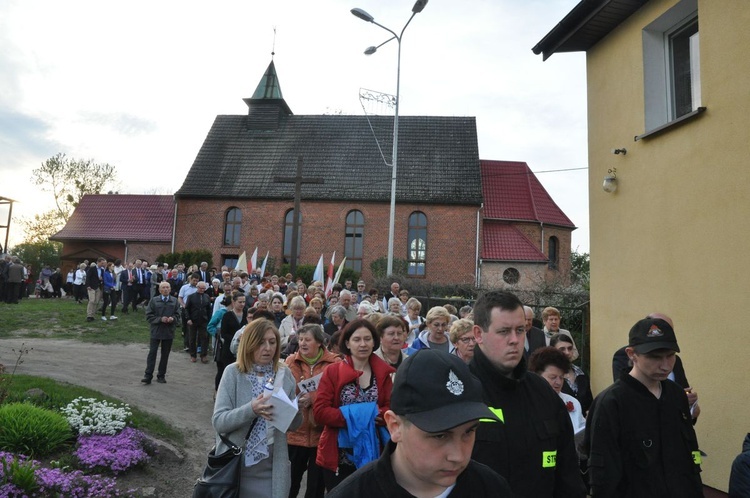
(232, 225)
(553, 249)
(353, 240)
(417, 244)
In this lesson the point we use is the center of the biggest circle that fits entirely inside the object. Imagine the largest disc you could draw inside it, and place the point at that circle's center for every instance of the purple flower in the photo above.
(116, 453)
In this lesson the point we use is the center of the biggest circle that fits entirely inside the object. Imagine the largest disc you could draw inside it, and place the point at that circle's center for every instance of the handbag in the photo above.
(221, 477)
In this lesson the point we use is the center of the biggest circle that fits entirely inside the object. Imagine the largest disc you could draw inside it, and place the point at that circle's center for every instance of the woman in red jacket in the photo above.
(361, 378)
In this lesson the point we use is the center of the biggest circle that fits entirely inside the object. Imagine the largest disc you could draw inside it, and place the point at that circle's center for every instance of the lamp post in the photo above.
(418, 7)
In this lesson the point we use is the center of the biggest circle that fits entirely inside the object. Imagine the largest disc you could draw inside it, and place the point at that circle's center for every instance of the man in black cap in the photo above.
(640, 436)
(436, 406)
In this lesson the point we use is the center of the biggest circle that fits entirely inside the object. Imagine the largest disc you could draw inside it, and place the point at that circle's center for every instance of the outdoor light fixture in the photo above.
(610, 181)
(361, 14)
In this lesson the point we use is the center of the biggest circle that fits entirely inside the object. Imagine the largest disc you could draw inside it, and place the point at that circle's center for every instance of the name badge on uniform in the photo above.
(549, 459)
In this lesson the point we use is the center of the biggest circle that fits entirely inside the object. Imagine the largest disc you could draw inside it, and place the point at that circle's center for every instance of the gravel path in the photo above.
(185, 401)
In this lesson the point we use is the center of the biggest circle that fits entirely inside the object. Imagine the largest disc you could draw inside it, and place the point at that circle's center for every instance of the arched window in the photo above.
(288, 228)
(554, 253)
(232, 225)
(353, 240)
(417, 244)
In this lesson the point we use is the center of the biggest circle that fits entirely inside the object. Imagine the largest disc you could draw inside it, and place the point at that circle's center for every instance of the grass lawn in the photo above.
(64, 319)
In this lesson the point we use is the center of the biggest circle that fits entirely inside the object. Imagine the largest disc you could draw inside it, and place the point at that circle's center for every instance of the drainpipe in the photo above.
(541, 225)
(478, 262)
(174, 225)
(125, 241)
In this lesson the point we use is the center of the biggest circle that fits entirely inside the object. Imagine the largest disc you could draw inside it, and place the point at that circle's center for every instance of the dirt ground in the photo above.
(185, 401)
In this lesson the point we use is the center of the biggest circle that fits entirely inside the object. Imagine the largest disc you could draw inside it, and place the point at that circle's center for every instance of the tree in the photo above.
(41, 227)
(70, 179)
(39, 253)
(579, 268)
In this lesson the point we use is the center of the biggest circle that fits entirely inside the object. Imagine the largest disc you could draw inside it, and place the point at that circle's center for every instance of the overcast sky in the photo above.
(138, 84)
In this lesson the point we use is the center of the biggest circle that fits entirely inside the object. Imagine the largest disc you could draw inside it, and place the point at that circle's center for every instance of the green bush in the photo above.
(27, 429)
(188, 257)
(379, 267)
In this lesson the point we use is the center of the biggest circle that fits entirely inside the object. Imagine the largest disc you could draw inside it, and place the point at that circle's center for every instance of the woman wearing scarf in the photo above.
(309, 361)
(240, 401)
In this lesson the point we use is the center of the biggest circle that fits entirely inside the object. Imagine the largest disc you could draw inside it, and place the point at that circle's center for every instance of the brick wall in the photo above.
(451, 233)
(75, 251)
(533, 232)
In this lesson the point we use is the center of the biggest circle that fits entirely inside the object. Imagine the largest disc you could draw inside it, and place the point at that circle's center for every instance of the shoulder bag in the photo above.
(221, 477)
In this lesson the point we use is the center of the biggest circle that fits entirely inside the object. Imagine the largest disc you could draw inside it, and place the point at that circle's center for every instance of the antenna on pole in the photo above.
(273, 47)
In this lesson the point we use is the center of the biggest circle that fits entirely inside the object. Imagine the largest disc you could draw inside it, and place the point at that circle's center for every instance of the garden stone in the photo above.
(35, 393)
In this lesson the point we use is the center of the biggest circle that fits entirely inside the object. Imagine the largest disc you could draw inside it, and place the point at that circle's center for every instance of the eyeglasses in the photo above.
(468, 340)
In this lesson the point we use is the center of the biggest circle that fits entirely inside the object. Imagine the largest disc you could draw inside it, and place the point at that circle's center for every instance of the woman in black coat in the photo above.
(233, 320)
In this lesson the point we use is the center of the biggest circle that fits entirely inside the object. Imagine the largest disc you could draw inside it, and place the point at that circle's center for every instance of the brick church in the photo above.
(233, 199)
(459, 219)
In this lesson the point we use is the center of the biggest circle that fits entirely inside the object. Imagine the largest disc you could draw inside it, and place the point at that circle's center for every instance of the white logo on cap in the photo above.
(654, 331)
(454, 384)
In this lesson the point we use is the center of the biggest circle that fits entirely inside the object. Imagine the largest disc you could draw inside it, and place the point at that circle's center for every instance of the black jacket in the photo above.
(229, 326)
(157, 309)
(739, 479)
(533, 446)
(93, 280)
(199, 313)
(640, 446)
(376, 480)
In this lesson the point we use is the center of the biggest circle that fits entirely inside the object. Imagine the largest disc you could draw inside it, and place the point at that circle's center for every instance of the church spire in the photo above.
(269, 87)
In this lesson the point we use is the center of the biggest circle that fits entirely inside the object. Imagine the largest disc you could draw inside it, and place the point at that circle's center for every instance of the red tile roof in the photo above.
(147, 218)
(502, 241)
(512, 192)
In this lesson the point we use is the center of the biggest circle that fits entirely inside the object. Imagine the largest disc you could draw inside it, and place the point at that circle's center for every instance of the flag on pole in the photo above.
(318, 275)
(329, 283)
(263, 266)
(242, 263)
(253, 261)
(338, 272)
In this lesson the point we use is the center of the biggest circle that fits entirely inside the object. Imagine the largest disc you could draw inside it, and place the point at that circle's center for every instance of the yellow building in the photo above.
(669, 86)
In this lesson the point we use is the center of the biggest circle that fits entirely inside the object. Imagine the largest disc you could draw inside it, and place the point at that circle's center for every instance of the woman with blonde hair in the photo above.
(240, 402)
(462, 337)
(293, 321)
(433, 336)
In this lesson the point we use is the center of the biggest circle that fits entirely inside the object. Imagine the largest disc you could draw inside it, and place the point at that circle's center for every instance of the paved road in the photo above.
(186, 401)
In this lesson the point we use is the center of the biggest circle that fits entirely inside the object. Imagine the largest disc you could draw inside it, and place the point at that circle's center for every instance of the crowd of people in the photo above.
(395, 400)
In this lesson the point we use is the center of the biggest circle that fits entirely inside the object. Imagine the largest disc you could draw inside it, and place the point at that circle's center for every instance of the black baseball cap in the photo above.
(651, 334)
(436, 391)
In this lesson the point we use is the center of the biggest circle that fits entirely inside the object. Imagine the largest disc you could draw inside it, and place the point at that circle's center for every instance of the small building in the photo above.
(526, 237)
(668, 114)
(117, 226)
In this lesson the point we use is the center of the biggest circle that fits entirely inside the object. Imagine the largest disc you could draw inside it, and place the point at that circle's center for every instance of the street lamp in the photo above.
(418, 7)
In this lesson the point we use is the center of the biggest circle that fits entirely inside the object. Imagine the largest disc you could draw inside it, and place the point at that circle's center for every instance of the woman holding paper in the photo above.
(307, 365)
(240, 402)
(354, 391)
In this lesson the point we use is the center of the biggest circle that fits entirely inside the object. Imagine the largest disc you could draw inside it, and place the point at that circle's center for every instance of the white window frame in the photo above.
(657, 80)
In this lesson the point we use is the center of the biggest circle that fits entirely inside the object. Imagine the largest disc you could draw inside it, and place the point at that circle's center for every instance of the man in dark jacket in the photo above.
(94, 285)
(639, 435)
(436, 406)
(162, 314)
(739, 479)
(14, 276)
(198, 309)
(532, 445)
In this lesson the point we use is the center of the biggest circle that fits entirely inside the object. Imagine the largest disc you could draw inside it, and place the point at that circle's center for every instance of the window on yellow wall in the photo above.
(671, 65)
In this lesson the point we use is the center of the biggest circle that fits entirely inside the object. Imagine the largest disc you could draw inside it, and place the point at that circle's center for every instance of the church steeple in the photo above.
(269, 87)
(267, 105)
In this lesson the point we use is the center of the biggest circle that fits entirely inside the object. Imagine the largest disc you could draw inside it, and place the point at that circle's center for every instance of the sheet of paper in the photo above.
(284, 410)
(309, 385)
